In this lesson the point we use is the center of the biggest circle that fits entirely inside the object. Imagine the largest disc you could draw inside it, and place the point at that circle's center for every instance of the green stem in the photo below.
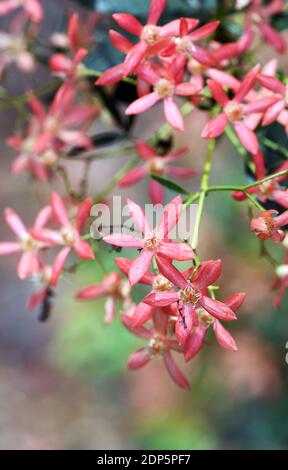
(248, 186)
(203, 192)
(101, 155)
(274, 146)
(22, 99)
(111, 185)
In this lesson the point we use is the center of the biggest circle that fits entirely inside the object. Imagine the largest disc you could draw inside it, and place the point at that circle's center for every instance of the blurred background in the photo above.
(64, 383)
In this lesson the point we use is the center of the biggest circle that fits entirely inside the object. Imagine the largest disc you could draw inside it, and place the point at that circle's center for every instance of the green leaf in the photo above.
(170, 184)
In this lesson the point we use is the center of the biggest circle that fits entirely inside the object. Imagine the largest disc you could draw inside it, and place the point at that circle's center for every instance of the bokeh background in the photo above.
(64, 383)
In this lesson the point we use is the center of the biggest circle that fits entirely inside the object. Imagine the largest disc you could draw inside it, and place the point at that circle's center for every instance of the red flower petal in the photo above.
(174, 372)
(143, 103)
(195, 342)
(171, 273)
(155, 11)
(129, 23)
(124, 240)
(140, 266)
(217, 309)
(215, 127)
(247, 137)
(173, 115)
(223, 337)
(138, 359)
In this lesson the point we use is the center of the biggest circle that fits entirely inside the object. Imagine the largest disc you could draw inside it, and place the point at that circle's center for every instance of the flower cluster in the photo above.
(184, 61)
(33, 243)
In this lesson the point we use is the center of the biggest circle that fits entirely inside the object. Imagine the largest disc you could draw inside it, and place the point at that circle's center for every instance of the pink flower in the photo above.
(151, 35)
(29, 263)
(71, 67)
(259, 16)
(80, 33)
(33, 8)
(159, 344)
(185, 42)
(158, 282)
(279, 110)
(196, 340)
(113, 287)
(68, 236)
(234, 111)
(155, 243)
(270, 190)
(65, 122)
(156, 165)
(266, 226)
(166, 85)
(14, 50)
(66, 67)
(191, 294)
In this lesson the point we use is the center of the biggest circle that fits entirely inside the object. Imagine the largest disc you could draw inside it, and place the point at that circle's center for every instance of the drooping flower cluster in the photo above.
(63, 124)
(34, 243)
(177, 313)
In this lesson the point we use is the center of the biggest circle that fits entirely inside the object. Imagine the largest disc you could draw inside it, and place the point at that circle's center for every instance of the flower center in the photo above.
(263, 227)
(156, 166)
(156, 346)
(189, 295)
(68, 236)
(256, 18)
(124, 289)
(52, 124)
(161, 284)
(196, 68)
(165, 88)
(184, 45)
(152, 242)
(29, 244)
(150, 34)
(234, 111)
(205, 317)
(265, 189)
(49, 158)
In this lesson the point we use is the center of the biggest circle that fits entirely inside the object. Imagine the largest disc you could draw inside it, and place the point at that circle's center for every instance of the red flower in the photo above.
(159, 344)
(27, 244)
(155, 243)
(156, 165)
(259, 16)
(67, 67)
(150, 35)
(266, 226)
(14, 50)
(113, 287)
(62, 121)
(234, 111)
(270, 190)
(166, 84)
(191, 294)
(279, 110)
(159, 283)
(33, 8)
(68, 236)
(185, 42)
(196, 340)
